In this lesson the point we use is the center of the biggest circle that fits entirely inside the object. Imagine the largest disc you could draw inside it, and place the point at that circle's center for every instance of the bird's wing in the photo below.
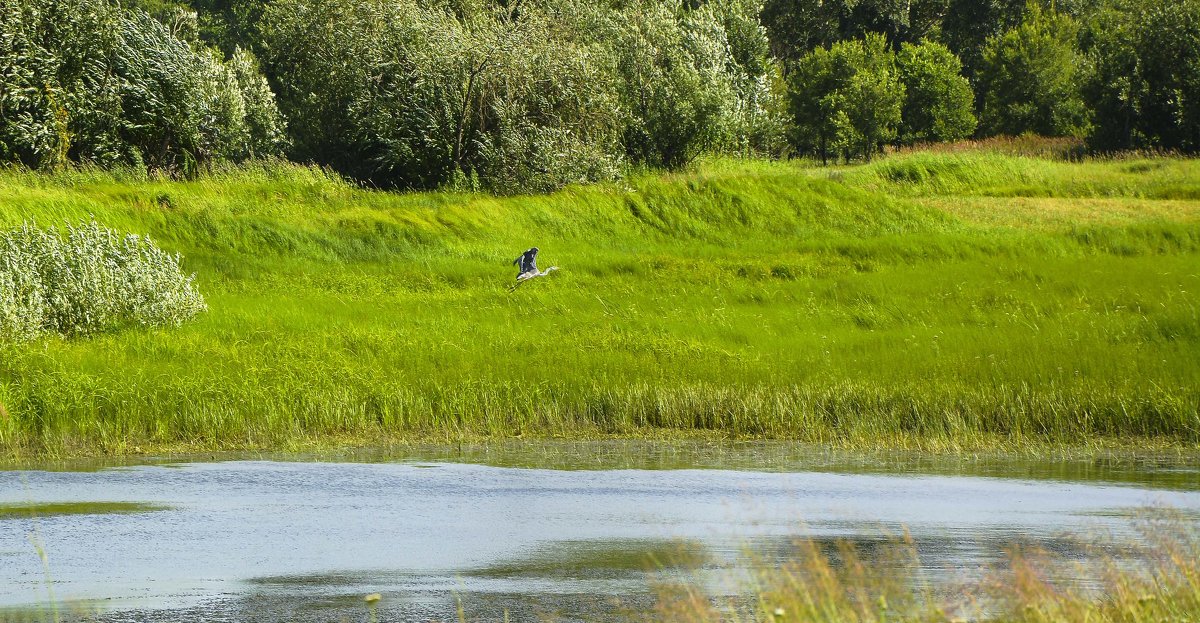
(532, 259)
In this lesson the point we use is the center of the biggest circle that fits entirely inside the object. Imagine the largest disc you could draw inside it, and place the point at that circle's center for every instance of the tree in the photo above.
(874, 95)
(849, 96)
(815, 106)
(796, 27)
(970, 23)
(673, 91)
(1145, 89)
(1030, 78)
(423, 95)
(55, 99)
(759, 111)
(939, 103)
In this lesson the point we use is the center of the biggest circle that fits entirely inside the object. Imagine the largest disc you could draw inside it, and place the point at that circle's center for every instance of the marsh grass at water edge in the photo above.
(1154, 578)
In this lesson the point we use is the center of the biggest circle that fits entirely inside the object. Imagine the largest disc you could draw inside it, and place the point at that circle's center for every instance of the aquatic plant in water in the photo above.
(1156, 577)
(88, 279)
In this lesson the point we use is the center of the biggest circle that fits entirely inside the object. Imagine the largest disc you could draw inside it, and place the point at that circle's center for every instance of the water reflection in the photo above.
(1165, 470)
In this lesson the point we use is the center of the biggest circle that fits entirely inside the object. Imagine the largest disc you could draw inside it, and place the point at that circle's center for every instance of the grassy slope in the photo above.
(935, 300)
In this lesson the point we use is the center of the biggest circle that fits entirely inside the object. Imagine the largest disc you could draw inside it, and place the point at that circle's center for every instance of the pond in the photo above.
(530, 528)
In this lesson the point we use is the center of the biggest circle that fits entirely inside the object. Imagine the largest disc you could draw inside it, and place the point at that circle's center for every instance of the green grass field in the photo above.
(943, 301)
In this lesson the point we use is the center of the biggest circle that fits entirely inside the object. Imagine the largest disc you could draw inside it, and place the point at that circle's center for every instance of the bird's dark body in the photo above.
(527, 263)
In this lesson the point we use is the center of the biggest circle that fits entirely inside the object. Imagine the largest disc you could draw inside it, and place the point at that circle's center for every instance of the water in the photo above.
(270, 540)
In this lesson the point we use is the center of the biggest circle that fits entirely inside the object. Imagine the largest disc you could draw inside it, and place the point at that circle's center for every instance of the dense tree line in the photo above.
(858, 94)
(421, 94)
(519, 95)
(85, 80)
(1121, 74)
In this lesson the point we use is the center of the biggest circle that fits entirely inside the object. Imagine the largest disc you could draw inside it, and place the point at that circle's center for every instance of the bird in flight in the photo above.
(527, 268)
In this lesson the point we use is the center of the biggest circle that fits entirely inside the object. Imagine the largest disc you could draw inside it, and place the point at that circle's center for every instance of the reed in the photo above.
(1157, 578)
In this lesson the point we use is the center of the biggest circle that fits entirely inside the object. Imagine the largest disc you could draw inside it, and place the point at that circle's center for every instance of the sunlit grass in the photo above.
(988, 175)
(1064, 214)
(744, 299)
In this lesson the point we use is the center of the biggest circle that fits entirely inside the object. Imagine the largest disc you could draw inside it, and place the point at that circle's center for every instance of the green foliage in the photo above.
(264, 128)
(1137, 72)
(422, 95)
(181, 107)
(85, 80)
(938, 103)
(798, 26)
(872, 98)
(56, 98)
(967, 26)
(811, 86)
(1146, 85)
(87, 280)
(847, 97)
(229, 24)
(674, 83)
(1031, 76)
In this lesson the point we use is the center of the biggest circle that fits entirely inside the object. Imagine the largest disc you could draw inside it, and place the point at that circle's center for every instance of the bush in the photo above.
(89, 280)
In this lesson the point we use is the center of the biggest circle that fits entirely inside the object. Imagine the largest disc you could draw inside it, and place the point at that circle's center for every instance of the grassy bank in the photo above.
(926, 300)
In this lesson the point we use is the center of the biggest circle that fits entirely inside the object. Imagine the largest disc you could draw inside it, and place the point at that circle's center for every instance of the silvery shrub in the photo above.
(87, 279)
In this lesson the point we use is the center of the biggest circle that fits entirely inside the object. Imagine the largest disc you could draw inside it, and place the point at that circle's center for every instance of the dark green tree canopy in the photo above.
(848, 97)
(1146, 86)
(796, 27)
(939, 104)
(1031, 78)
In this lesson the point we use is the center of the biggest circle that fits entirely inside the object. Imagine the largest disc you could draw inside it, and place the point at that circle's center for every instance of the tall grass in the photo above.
(747, 299)
(1157, 579)
(990, 175)
(1058, 148)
